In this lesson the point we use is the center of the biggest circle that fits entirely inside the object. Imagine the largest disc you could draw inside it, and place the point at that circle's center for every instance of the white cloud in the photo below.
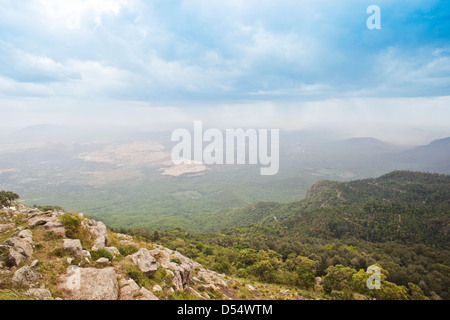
(72, 13)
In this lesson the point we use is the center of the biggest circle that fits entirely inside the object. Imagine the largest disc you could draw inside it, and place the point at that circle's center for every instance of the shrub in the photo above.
(58, 252)
(72, 224)
(127, 249)
(101, 253)
(138, 276)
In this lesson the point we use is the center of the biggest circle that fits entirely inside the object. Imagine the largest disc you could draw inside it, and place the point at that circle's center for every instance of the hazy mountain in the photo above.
(434, 157)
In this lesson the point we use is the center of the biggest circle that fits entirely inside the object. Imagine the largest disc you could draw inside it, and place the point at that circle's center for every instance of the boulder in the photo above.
(145, 261)
(73, 246)
(103, 260)
(99, 230)
(113, 250)
(89, 284)
(99, 243)
(38, 221)
(39, 293)
(20, 251)
(129, 290)
(157, 287)
(55, 226)
(5, 227)
(24, 277)
(26, 235)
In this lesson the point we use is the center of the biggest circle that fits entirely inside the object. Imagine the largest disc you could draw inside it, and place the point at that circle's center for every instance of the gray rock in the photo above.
(89, 284)
(20, 251)
(145, 261)
(103, 260)
(38, 221)
(182, 272)
(39, 293)
(131, 291)
(15, 258)
(99, 230)
(26, 234)
(99, 243)
(157, 287)
(4, 227)
(73, 246)
(113, 250)
(24, 277)
(156, 252)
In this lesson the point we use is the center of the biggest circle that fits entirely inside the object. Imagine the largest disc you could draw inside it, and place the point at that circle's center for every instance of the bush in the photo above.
(176, 260)
(72, 224)
(101, 253)
(127, 249)
(138, 276)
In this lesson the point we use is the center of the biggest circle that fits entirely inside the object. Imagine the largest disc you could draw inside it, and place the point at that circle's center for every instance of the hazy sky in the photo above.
(287, 64)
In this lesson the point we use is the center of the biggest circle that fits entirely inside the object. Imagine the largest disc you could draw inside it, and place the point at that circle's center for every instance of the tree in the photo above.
(305, 269)
(338, 278)
(7, 197)
(387, 291)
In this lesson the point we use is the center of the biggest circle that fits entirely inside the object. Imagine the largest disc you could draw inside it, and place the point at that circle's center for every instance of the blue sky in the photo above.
(288, 64)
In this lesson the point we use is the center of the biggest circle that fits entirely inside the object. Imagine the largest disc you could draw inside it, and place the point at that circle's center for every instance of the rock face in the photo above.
(180, 270)
(89, 284)
(145, 261)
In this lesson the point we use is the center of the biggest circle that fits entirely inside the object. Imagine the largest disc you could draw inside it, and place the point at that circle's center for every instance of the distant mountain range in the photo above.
(434, 157)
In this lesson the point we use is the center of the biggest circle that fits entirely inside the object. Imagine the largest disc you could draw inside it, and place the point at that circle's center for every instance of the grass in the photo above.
(101, 253)
(8, 294)
(127, 249)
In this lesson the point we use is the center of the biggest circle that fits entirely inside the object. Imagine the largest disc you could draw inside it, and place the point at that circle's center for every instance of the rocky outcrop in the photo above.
(49, 220)
(178, 266)
(129, 290)
(145, 261)
(85, 279)
(89, 284)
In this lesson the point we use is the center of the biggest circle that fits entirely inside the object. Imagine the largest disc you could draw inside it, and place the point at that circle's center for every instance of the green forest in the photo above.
(324, 243)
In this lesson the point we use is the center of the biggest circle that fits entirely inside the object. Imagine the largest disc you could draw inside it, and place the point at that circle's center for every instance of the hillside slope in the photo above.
(401, 205)
(50, 254)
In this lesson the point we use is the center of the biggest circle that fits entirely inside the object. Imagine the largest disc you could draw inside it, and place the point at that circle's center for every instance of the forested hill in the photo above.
(399, 221)
(404, 206)
(396, 186)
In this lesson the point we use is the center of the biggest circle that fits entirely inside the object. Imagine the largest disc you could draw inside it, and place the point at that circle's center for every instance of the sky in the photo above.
(291, 64)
